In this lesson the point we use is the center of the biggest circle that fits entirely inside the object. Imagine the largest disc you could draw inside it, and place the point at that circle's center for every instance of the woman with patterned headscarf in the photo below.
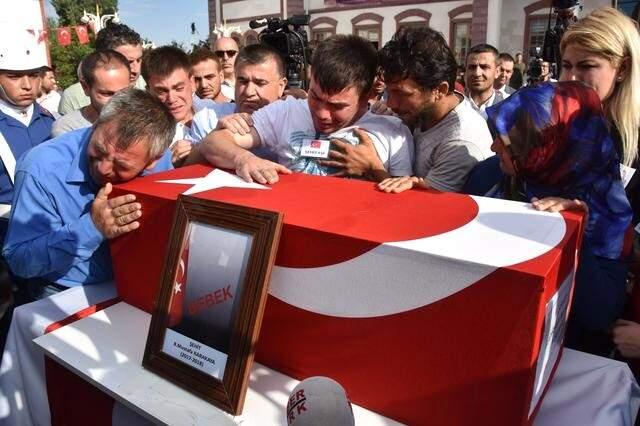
(556, 151)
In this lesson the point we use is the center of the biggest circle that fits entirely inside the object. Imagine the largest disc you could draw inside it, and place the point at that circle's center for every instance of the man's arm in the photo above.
(225, 149)
(38, 243)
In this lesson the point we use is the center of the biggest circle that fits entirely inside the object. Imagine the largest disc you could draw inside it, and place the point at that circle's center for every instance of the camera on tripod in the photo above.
(566, 13)
(288, 38)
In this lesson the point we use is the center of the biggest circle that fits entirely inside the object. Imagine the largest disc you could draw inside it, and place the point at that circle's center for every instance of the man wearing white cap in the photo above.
(23, 123)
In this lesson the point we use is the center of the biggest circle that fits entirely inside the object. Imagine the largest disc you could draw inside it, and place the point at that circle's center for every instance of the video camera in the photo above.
(288, 38)
(565, 11)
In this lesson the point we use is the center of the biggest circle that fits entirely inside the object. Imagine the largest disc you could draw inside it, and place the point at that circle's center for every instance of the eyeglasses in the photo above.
(230, 53)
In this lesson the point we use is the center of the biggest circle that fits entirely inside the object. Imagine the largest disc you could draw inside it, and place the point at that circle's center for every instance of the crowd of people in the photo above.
(398, 117)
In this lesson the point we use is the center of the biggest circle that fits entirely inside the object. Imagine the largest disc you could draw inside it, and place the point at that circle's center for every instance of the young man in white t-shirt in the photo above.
(299, 132)
(450, 136)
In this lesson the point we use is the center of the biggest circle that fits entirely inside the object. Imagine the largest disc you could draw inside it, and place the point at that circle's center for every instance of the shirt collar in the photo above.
(79, 169)
(486, 103)
(23, 115)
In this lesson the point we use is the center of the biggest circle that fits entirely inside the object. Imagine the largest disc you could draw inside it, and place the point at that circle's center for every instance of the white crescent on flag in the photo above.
(375, 283)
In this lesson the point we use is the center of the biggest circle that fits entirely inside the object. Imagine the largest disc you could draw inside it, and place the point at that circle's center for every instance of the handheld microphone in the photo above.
(319, 401)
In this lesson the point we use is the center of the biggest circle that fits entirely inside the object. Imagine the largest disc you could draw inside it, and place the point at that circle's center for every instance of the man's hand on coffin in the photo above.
(115, 216)
(397, 185)
(356, 160)
(252, 168)
(626, 336)
(240, 123)
(179, 151)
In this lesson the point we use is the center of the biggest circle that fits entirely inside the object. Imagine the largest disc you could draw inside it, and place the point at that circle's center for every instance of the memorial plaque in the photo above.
(211, 298)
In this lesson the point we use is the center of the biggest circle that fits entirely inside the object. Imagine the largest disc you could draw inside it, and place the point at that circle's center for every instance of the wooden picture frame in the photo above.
(211, 299)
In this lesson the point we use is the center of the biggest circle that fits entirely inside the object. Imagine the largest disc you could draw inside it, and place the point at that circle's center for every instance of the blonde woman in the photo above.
(603, 51)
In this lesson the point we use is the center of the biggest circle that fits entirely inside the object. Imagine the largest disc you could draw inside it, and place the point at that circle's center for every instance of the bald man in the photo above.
(226, 49)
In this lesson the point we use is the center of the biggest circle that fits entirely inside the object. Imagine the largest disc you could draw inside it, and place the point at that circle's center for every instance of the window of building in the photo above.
(460, 31)
(415, 24)
(369, 27)
(250, 37)
(537, 28)
(412, 18)
(371, 33)
(321, 29)
(461, 39)
(321, 34)
(535, 25)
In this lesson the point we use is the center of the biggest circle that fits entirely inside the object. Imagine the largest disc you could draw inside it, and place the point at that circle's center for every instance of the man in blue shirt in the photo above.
(62, 217)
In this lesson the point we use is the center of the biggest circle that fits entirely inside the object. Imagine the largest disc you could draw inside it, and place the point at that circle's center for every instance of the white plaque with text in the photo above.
(194, 354)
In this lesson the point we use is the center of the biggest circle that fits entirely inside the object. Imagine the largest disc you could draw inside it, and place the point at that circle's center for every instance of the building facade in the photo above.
(510, 25)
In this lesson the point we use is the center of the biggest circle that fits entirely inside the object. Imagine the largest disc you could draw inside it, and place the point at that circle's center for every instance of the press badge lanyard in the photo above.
(9, 162)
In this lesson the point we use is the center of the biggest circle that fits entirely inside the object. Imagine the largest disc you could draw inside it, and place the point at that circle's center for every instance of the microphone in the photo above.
(319, 401)
(257, 23)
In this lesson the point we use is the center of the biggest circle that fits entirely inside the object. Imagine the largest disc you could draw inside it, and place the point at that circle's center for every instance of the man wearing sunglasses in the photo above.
(226, 50)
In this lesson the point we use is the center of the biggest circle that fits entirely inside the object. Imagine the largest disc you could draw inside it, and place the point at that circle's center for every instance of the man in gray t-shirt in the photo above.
(450, 137)
(104, 73)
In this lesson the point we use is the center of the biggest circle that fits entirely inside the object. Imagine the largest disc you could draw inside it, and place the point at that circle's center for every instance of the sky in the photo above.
(162, 21)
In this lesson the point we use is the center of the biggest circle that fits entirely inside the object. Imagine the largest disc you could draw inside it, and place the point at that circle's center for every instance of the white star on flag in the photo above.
(177, 289)
(215, 179)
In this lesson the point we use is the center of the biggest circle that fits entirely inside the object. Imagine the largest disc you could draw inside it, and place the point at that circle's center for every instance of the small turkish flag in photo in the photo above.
(316, 144)
(82, 33)
(64, 36)
(180, 284)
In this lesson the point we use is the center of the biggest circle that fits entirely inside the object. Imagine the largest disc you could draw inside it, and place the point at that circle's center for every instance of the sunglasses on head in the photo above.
(230, 53)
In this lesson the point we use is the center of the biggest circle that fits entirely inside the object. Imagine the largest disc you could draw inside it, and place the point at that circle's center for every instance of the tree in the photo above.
(179, 45)
(67, 58)
(70, 11)
(200, 44)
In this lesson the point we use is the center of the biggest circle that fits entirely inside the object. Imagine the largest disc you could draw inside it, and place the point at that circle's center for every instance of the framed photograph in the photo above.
(211, 299)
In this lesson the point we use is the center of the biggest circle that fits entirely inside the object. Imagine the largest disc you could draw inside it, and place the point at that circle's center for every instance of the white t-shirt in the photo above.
(446, 153)
(284, 124)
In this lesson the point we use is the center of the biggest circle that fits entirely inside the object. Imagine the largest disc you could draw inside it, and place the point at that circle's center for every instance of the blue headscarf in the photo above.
(560, 143)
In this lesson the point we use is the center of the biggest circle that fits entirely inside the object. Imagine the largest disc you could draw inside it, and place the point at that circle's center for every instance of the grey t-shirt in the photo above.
(72, 121)
(446, 153)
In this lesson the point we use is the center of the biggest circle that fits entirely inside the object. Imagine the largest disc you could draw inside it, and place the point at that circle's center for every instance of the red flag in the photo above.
(180, 284)
(82, 33)
(64, 36)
